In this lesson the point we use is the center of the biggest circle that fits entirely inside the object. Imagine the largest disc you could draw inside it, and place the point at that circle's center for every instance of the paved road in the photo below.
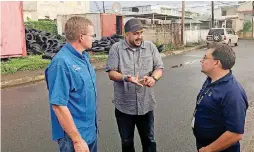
(25, 112)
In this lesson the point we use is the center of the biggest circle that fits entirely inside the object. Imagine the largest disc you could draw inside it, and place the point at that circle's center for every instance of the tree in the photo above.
(247, 26)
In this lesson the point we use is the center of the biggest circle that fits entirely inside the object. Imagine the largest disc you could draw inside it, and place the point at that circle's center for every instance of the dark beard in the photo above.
(134, 45)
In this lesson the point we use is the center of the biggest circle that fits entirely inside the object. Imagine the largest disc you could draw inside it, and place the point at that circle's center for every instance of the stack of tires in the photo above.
(42, 42)
(105, 43)
(45, 43)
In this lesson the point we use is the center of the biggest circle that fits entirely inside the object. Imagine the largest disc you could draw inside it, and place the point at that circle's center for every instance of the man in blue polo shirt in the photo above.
(71, 82)
(219, 116)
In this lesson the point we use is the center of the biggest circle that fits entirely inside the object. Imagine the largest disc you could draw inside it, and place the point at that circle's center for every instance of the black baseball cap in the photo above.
(133, 25)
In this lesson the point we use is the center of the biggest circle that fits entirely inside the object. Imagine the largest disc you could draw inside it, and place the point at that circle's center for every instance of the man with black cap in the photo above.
(135, 66)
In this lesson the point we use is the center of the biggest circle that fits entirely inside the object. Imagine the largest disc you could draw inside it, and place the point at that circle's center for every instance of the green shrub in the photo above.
(43, 25)
(247, 26)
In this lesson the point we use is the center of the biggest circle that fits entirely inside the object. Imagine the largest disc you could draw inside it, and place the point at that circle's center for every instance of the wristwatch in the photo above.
(154, 78)
(125, 78)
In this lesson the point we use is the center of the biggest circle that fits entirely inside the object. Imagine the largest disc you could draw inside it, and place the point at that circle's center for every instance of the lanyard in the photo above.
(201, 96)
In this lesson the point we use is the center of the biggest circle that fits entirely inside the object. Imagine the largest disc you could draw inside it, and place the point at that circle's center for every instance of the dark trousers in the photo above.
(145, 125)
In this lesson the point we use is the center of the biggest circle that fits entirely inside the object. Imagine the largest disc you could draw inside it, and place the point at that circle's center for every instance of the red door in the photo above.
(108, 22)
(12, 30)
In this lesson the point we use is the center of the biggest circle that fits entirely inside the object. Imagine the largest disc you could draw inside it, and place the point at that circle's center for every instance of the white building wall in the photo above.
(54, 8)
(30, 10)
(192, 36)
(94, 17)
(31, 15)
(217, 13)
(247, 6)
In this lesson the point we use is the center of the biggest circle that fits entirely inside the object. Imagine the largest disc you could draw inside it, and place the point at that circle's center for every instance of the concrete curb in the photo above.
(38, 78)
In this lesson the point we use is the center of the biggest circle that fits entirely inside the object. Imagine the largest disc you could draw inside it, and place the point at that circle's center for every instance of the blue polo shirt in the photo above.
(71, 81)
(222, 108)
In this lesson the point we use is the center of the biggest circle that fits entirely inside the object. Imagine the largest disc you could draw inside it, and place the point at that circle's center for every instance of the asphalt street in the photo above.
(25, 116)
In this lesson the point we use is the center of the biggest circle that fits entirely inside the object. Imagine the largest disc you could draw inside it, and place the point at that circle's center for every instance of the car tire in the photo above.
(48, 56)
(98, 49)
(217, 37)
(29, 36)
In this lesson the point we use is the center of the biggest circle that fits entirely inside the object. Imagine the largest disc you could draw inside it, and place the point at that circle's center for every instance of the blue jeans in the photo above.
(66, 145)
(145, 125)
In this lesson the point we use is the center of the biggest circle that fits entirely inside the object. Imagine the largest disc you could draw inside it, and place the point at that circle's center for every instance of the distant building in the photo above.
(233, 16)
(190, 14)
(152, 14)
(149, 9)
(36, 10)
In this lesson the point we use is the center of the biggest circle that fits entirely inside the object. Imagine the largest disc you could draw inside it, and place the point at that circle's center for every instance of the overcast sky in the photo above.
(194, 6)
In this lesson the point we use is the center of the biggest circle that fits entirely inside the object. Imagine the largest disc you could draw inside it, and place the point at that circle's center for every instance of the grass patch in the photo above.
(35, 62)
(28, 63)
(99, 57)
(192, 44)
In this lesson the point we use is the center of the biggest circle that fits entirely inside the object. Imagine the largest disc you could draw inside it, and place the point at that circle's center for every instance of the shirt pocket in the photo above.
(147, 63)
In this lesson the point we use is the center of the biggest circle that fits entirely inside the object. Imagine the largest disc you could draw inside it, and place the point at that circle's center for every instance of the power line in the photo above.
(212, 14)
(97, 6)
(182, 22)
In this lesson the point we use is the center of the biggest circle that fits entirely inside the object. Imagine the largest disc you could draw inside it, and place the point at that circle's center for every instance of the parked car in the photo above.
(222, 35)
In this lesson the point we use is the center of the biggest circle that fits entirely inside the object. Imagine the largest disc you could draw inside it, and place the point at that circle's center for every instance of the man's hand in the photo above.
(134, 80)
(149, 81)
(226, 140)
(80, 146)
(205, 149)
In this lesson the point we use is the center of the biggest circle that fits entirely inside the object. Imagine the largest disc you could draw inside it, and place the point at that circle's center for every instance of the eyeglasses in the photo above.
(93, 36)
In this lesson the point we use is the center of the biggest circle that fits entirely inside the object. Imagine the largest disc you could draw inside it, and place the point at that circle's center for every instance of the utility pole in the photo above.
(252, 19)
(212, 14)
(182, 27)
(103, 6)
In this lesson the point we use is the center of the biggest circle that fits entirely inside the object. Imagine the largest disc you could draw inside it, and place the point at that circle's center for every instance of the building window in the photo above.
(224, 13)
(61, 1)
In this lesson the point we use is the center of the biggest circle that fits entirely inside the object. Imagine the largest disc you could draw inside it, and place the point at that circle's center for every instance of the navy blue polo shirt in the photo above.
(222, 108)
(71, 82)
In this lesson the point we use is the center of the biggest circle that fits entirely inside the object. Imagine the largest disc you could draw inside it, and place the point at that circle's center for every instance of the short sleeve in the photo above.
(58, 83)
(113, 59)
(234, 110)
(157, 61)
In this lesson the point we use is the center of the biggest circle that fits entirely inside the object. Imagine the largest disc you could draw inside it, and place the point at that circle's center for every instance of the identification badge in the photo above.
(193, 122)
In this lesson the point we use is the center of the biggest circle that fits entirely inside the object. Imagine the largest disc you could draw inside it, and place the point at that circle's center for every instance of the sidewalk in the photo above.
(25, 77)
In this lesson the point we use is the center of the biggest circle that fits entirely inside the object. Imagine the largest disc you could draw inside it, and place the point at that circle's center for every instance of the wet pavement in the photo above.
(25, 112)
